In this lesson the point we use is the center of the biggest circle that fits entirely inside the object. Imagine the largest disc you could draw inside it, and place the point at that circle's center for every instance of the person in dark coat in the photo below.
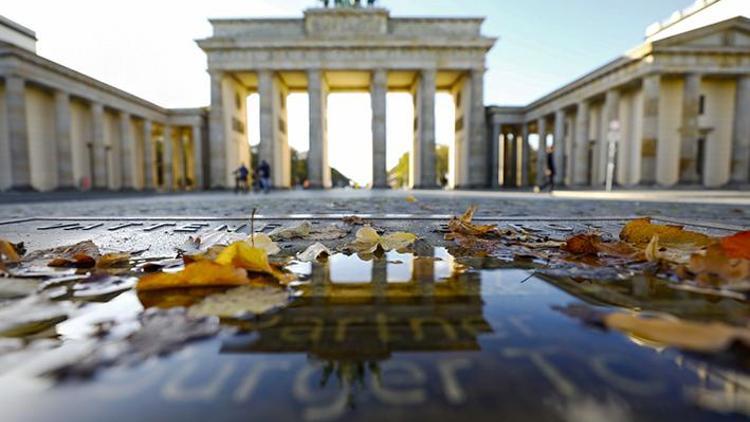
(264, 172)
(550, 170)
(240, 179)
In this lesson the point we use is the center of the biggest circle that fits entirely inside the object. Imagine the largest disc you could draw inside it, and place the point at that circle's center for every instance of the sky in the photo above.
(147, 48)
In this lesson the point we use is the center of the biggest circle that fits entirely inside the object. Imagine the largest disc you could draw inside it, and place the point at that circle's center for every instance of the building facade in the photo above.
(60, 129)
(673, 111)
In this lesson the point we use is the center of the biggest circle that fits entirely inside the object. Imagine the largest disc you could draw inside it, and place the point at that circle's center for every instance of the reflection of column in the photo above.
(148, 155)
(63, 140)
(423, 153)
(689, 142)
(379, 277)
(18, 136)
(100, 159)
(319, 280)
(541, 155)
(495, 161)
(741, 138)
(378, 93)
(217, 137)
(127, 147)
(167, 157)
(318, 171)
(559, 143)
(423, 272)
(478, 160)
(581, 145)
(650, 136)
(525, 152)
(196, 136)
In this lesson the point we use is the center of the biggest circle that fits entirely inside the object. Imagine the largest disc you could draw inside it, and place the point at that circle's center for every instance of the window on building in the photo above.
(702, 105)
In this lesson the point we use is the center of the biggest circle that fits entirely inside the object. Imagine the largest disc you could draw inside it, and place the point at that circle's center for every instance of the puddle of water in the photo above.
(393, 338)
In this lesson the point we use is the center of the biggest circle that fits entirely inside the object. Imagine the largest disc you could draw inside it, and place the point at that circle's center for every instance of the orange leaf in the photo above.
(715, 262)
(582, 244)
(737, 246)
(641, 231)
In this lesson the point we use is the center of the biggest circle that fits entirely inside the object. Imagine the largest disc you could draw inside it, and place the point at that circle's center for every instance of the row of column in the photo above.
(273, 146)
(98, 160)
(659, 145)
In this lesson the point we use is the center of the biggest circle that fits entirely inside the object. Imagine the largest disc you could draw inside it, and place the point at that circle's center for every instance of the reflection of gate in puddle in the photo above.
(356, 321)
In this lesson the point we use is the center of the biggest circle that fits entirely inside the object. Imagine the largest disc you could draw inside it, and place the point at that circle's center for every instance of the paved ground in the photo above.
(729, 207)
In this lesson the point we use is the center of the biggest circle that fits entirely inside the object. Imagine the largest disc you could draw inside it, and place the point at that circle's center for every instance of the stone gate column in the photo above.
(148, 155)
(689, 130)
(478, 160)
(741, 136)
(179, 166)
(18, 134)
(559, 143)
(610, 113)
(495, 163)
(581, 146)
(63, 140)
(217, 144)
(128, 152)
(167, 157)
(423, 153)
(100, 163)
(197, 137)
(541, 155)
(274, 147)
(525, 154)
(378, 93)
(318, 170)
(650, 135)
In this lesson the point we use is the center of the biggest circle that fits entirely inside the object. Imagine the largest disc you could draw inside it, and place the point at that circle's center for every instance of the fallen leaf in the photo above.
(81, 255)
(241, 301)
(242, 255)
(313, 252)
(641, 231)
(652, 252)
(115, 259)
(715, 262)
(354, 220)
(263, 241)
(299, 231)
(198, 274)
(8, 253)
(463, 225)
(204, 242)
(410, 199)
(687, 335)
(329, 232)
(368, 240)
(582, 244)
(737, 245)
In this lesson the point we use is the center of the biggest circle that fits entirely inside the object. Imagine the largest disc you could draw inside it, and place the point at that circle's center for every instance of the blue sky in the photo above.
(146, 47)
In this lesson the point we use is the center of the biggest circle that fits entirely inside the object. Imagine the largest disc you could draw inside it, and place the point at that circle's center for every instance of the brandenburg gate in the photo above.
(346, 49)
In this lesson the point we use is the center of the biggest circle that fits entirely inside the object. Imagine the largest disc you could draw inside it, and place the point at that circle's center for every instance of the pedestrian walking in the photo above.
(240, 179)
(549, 172)
(264, 171)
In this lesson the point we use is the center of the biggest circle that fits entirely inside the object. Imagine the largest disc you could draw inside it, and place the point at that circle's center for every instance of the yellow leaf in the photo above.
(198, 274)
(686, 335)
(641, 231)
(115, 259)
(410, 199)
(368, 240)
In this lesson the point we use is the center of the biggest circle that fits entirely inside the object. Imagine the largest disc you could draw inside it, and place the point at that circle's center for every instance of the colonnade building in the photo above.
(674, 110)
(60, 129)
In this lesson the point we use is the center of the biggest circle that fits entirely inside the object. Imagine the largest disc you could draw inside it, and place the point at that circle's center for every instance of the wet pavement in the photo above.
(433, 331)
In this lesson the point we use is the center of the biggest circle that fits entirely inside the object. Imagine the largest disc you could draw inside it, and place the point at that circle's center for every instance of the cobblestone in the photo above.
(218, 204)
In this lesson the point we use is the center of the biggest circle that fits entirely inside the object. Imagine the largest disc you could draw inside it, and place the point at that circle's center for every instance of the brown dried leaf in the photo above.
(81, 255)
(714, 262)
(737, 246)
(112, 260)
(463, 225)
